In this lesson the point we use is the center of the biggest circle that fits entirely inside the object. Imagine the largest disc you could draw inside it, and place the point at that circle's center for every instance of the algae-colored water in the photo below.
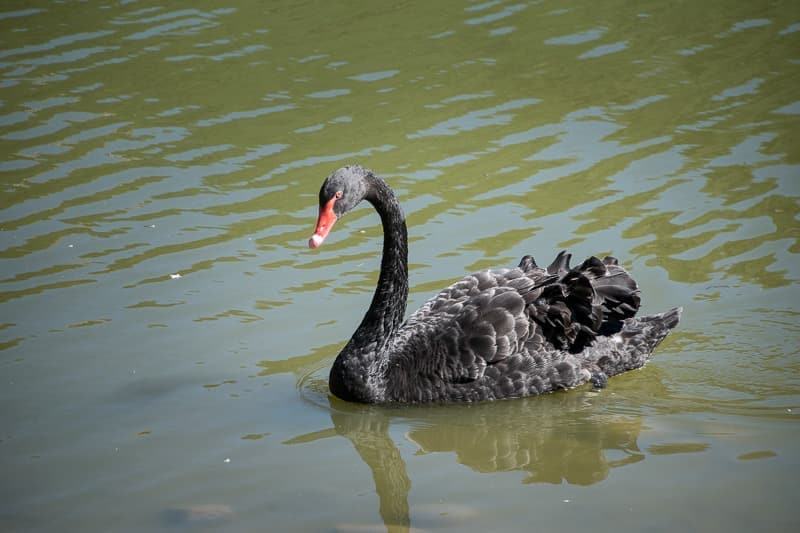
(165, 334)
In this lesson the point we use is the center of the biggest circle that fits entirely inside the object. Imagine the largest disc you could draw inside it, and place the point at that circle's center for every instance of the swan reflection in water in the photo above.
(563, 437)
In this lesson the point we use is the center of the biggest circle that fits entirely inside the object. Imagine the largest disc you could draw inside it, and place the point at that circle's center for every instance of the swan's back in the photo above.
(521, 331)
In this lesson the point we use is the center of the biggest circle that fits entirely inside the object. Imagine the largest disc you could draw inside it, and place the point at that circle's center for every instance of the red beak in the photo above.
(325, 221)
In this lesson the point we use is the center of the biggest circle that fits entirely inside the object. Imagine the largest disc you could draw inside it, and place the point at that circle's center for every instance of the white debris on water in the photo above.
(197, 515)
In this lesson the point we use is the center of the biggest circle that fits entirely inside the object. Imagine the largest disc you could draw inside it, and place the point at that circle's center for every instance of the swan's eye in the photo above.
(338, 194)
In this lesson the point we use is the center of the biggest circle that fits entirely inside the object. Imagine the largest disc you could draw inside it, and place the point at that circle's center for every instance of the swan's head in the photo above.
(340, 193)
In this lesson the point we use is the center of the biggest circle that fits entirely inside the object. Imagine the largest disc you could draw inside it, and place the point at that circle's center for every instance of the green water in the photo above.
(141, 141)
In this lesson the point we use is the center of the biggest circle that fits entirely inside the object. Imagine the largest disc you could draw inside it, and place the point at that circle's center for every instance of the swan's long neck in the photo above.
(358, 372)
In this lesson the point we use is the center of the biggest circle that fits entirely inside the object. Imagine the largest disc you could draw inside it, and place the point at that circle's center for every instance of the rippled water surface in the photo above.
(165, 334)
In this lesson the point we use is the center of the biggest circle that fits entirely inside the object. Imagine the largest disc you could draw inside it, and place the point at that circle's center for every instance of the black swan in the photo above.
(495, 334)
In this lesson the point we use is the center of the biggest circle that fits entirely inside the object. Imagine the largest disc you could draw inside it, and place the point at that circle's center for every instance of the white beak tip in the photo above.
(315, 241)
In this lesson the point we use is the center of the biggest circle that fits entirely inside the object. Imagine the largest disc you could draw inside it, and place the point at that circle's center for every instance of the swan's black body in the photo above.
(495, 334)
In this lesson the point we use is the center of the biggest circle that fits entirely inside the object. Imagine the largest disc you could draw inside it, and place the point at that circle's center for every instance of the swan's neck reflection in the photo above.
(370, 437)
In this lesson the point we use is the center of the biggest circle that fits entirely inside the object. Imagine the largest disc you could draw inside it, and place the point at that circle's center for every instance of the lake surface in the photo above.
(165, 334)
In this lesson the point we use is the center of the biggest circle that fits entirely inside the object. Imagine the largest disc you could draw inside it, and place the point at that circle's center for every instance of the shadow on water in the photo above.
(554, 439)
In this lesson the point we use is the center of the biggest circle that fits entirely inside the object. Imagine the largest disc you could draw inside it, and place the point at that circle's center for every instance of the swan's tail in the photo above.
(652, 329)
(632, 346)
